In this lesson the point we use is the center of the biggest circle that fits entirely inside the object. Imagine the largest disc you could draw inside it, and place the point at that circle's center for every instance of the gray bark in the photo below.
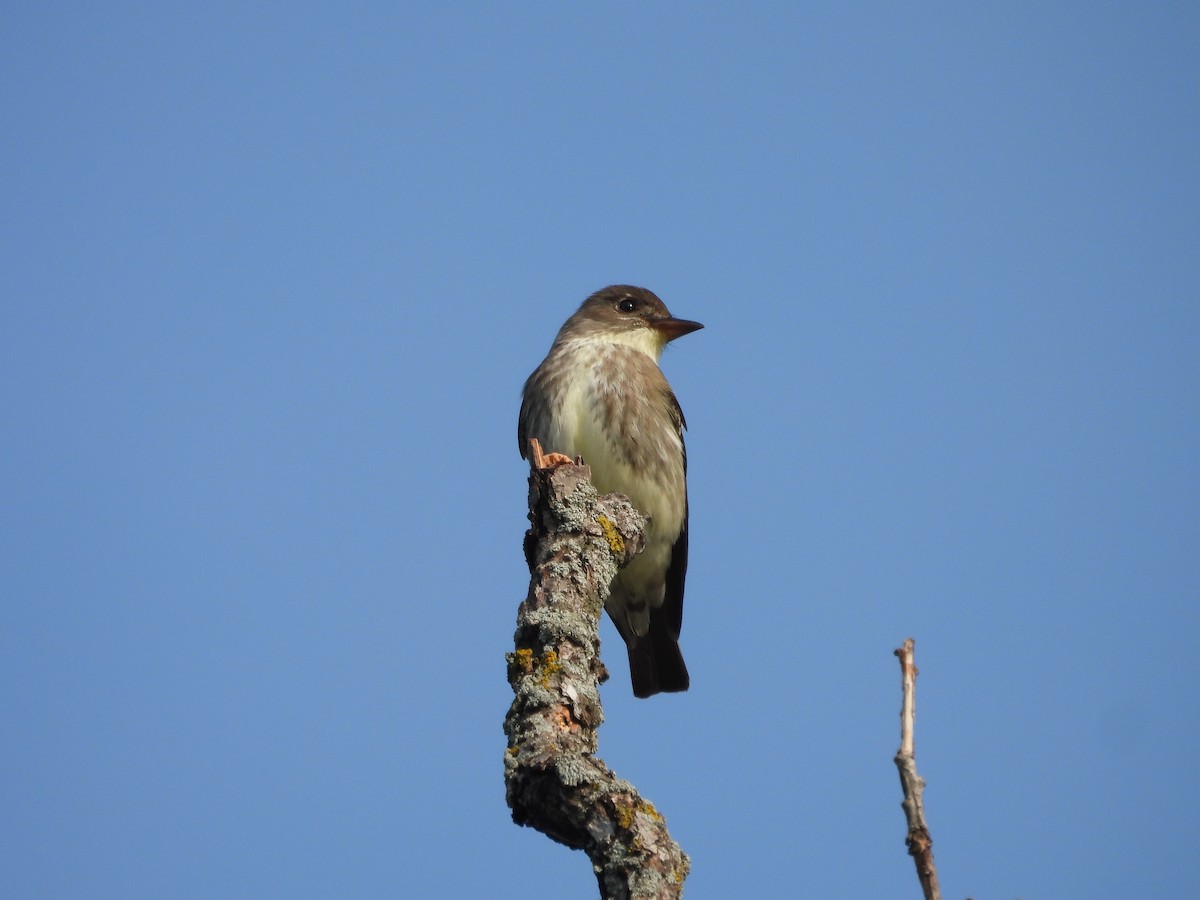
(553, 780)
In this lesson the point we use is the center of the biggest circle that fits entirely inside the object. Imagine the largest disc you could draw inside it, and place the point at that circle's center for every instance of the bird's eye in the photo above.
(627, 305)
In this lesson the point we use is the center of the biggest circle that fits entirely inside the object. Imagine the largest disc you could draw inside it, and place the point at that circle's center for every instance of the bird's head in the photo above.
(625, 314)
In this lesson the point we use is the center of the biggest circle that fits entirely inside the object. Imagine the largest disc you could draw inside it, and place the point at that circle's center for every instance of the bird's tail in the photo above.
(655, 661)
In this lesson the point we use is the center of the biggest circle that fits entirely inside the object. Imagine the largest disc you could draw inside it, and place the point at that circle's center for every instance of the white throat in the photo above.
(644, 339)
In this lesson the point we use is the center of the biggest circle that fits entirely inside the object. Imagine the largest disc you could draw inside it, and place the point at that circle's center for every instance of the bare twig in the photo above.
(920, 844)
(553, 780)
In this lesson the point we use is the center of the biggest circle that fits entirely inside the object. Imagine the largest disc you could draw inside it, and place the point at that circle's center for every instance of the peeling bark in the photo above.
(553, 780)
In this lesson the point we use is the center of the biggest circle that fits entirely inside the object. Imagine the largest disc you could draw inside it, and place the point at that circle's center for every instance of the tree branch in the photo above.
(553, 781)
(920, 844)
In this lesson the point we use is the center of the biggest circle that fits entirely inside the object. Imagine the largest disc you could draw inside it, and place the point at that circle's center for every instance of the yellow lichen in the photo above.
(624, 816)
(524, 659)
(648, 809)
(627, 814)
(550, 665)
(616, 543)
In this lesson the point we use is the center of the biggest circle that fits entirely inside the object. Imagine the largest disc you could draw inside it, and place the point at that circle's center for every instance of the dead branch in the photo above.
(553, 780)
(920, 844)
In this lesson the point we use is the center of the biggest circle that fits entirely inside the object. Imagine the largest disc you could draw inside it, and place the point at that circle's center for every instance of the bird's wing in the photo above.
(672, 608)
(525, 425)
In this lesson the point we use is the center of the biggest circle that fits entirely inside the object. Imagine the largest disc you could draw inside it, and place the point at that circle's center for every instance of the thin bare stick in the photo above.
(920, 844)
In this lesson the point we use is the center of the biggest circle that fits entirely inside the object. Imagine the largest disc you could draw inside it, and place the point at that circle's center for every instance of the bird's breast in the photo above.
(613, 408)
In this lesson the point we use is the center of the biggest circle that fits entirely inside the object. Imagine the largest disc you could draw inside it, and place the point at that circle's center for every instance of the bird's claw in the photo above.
(542, 460)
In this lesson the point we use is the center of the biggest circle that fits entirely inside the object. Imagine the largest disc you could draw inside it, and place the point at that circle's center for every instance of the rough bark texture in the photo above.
(920, 844)
(553, 780)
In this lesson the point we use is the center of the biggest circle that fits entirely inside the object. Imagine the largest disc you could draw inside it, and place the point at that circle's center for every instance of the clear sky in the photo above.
(273, 275)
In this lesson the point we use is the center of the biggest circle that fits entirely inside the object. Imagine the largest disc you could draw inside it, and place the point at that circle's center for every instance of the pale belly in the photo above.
(653, 481)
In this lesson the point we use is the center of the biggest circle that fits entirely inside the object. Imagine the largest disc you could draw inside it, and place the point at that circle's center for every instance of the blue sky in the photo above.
(273, 277)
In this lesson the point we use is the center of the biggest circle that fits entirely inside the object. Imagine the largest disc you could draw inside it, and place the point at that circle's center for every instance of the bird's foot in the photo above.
(542, 460)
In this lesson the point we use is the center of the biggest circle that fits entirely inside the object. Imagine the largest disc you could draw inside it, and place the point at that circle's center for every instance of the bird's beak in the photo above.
(671, 328)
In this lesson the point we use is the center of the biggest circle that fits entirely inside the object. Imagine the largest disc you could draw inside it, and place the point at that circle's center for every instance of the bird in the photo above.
(599, 394)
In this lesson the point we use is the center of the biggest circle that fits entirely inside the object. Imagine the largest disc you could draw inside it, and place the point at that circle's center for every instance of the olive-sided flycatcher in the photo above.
(599, 394)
